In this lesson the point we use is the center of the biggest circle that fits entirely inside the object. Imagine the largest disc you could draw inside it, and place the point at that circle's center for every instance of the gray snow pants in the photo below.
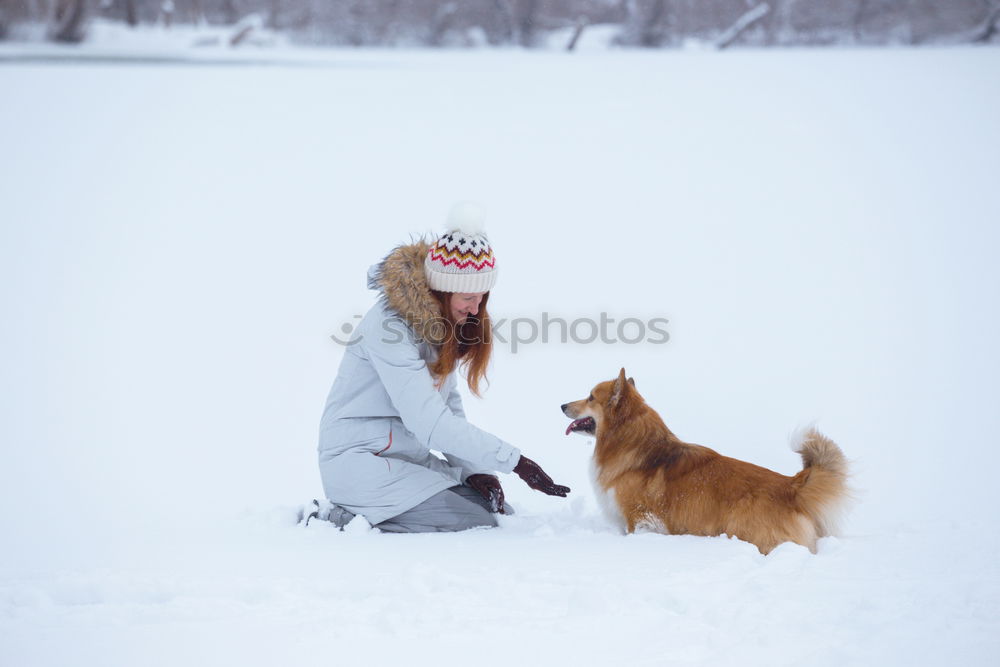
(457, 508)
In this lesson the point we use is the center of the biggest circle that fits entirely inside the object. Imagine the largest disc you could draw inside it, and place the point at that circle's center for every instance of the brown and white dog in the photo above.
(649, 478)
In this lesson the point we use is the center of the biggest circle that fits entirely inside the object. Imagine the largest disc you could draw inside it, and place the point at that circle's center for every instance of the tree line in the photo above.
(532, 23)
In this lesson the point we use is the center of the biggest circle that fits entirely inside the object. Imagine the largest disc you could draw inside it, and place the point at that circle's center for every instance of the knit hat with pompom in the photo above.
(462, 259)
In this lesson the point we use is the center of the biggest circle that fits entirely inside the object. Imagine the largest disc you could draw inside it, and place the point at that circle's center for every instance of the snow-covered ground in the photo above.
(177, 243)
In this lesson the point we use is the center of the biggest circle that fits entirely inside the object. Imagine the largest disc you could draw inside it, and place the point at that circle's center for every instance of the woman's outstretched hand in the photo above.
(488, 486)
(535, 477)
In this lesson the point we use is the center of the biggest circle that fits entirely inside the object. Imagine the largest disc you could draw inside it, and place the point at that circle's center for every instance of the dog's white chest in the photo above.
(606, 499)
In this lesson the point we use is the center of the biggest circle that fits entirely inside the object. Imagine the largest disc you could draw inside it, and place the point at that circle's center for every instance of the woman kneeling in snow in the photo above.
(395, 396)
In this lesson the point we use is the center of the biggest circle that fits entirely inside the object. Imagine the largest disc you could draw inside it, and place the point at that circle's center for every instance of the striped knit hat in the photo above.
(462, 259)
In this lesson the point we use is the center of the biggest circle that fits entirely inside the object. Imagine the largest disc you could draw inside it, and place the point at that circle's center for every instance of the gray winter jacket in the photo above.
(383, 415)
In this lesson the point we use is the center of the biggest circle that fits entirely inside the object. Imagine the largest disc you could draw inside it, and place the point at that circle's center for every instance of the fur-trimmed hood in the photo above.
(403, 287)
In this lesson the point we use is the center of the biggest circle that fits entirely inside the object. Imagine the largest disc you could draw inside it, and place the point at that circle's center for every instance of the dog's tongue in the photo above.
(575, 422)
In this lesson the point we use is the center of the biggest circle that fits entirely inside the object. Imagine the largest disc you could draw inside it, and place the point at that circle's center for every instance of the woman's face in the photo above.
(463, 305)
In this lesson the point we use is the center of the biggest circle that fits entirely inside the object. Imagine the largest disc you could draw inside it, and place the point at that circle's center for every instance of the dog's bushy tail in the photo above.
(823, 494)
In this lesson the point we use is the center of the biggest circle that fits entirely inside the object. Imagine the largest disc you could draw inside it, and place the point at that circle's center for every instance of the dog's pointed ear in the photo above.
(617, 388)
(631, 382)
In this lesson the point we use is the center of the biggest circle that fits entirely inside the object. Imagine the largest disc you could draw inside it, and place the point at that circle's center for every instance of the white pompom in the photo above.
(467, 217)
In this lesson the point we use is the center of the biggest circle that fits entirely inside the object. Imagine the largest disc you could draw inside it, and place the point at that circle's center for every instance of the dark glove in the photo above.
(535, 477)
(489, 488)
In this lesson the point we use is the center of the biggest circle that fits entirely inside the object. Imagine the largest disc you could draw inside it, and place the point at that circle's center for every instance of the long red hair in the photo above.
(470, 344)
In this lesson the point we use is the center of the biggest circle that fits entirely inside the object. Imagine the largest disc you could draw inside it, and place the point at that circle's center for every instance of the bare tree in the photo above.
(581, 24)
(356, 35)
(131, 15)
(244, 28)
(441, 23)
(859, 19)
(732, 33)
(198, 12)
(66, 22)
(526, 23)
(232, 10)
(988, 28)
(386, 28)
(653, 30)
(644, 24)
(274, 14)
(506, 14)
(167, 9)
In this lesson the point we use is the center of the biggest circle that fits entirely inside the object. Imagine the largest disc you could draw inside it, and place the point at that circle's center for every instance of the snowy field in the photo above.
(177, 243)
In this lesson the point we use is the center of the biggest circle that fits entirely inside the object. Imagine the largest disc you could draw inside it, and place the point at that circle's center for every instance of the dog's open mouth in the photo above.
(583, 425)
